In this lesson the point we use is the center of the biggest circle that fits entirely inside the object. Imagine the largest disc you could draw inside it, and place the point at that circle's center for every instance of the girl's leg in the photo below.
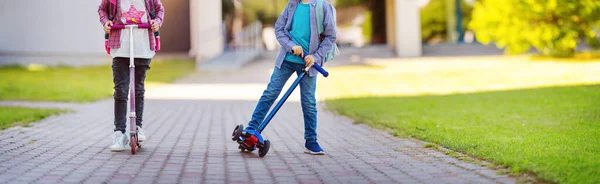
(141, 67)
(120, 68)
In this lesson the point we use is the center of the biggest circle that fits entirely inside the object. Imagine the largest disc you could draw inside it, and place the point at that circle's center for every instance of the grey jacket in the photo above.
(318, 47)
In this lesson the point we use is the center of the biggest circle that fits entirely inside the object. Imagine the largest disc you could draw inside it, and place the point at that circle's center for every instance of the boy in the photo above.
(129, 12)
(296, 31)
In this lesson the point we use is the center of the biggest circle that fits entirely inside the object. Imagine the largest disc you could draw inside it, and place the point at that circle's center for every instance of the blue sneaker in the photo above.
(248, 130)
(313, 148)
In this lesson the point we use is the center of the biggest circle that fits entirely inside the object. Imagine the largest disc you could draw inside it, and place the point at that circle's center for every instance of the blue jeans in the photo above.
(308, 86)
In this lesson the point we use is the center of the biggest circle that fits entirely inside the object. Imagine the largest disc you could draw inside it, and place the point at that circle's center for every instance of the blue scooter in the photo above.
(251, 140)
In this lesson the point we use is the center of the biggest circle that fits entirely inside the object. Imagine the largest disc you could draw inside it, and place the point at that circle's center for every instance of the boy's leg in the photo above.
(141, 67)
(120, 68)
(308, 86)
(278, 79)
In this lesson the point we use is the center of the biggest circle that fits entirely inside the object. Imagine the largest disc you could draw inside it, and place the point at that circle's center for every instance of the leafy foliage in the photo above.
(434, 20)
(553, 27)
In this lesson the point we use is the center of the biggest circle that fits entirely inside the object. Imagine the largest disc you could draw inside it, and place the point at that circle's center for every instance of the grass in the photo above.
(19, 116)
(438, 76)
(67, 84)
(507, 110)
(429, 145)
(585, 56)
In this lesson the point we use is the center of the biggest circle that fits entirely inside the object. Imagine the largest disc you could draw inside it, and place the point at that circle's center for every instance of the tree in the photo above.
(553, 27)
(434, 20)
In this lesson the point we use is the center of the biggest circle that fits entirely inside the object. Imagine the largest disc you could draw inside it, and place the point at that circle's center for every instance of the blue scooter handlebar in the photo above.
(319, 68)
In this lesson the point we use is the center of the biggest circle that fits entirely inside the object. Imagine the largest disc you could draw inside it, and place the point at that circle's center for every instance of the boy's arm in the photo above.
(329, 34)
(283, 39)
(160, 12)
(102, 12)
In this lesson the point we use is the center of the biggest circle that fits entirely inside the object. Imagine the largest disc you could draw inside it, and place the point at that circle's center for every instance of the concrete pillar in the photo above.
(206, 29)
(408, 29)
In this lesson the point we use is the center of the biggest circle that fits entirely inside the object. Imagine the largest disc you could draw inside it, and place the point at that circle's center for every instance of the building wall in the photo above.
(175, 32)
(68, 32)
(206, 29)
(51, 32)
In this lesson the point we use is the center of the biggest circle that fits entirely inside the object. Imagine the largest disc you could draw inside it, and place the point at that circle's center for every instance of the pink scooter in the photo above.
(133, 141)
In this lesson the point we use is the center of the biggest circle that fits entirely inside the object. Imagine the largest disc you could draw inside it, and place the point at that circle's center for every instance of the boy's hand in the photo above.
(297, 50)
(107, 26)
(154, 25)
(309, 60)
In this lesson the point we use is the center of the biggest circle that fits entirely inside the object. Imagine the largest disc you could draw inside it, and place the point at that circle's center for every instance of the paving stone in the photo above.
(188, 126)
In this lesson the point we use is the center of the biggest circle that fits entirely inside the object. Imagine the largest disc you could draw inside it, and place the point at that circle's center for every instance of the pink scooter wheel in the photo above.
(133, 143)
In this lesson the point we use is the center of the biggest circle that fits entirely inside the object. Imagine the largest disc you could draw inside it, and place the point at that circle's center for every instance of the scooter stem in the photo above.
(131, 61)
(132, 115)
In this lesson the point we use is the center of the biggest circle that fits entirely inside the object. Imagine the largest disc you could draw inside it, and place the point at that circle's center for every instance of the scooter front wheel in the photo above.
(237, 132)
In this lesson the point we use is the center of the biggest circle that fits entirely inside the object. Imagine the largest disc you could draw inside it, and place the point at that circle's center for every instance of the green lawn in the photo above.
(76, 84)
(490, 108)
(18, 116)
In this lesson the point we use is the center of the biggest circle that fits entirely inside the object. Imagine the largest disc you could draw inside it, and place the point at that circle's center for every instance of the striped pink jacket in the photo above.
(114, 40)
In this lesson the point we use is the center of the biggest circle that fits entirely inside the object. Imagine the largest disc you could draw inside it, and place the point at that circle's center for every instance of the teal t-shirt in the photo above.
(300, 32)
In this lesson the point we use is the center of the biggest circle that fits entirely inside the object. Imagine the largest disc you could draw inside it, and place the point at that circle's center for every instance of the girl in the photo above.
(113, 12)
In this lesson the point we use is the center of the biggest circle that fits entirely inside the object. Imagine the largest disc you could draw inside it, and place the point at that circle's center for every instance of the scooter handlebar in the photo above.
(321, 70)
(140, 26)
(318, 68)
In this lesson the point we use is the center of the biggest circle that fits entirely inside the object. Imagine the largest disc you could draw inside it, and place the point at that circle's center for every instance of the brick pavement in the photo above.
(189, 127)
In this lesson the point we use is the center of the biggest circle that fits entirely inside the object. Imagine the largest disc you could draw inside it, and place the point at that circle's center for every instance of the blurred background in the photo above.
(206, 29)
(364, 22)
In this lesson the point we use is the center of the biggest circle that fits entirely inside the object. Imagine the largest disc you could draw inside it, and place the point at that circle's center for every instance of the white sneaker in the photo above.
(119, 141)
(141, 134)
